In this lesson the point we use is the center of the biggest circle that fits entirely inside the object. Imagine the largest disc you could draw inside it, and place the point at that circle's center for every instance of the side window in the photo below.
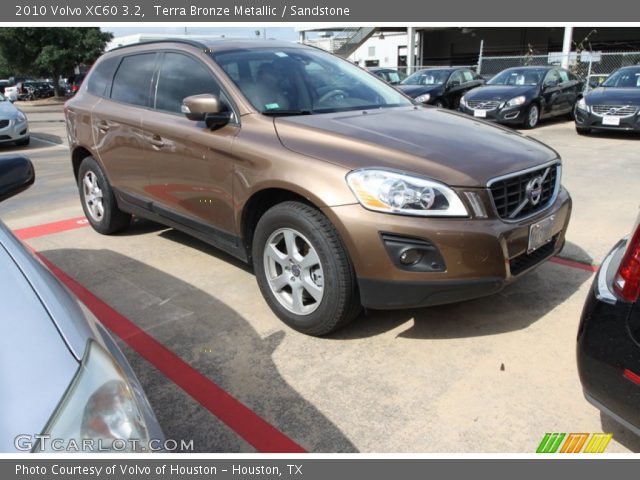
(456, 77)
(564, 75)
(468, 76)
(101, 76)
(182, 76)
(552, 76)
(133, 79)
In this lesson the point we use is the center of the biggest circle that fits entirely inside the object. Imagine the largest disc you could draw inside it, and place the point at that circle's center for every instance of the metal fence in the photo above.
(594, 67)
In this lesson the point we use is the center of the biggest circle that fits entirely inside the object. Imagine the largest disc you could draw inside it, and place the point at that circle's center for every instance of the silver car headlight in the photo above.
(423, 98)
(514, 102)
(21, 117)
(395, 192)
(99, 406)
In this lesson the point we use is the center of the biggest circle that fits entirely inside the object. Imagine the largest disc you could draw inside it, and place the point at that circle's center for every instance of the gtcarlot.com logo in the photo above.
(574, 442)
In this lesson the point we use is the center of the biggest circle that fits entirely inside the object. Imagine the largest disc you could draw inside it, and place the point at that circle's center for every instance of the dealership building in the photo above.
(389, 46)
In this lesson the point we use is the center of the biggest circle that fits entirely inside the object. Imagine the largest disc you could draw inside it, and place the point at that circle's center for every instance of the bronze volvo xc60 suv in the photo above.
(338, 189)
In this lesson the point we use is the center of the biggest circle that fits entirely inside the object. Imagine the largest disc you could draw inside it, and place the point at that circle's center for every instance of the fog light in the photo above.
(410, 256)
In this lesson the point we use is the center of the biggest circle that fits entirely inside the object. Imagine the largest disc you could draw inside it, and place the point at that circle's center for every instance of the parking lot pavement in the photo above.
(489, 375)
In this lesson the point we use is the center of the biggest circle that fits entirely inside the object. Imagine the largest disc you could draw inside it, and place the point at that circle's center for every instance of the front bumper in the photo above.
(605, 348)
(14, 131)
(587, 119)
(506, 115)
(476, 257)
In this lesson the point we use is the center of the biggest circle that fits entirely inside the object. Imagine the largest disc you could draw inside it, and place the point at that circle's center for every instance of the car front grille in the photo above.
(614, 110)
(4, 123)
(483, 104)
(515, 196)
(525, 261)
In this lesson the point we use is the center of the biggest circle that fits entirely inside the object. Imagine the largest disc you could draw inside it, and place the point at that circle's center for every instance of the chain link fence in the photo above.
(593, 67)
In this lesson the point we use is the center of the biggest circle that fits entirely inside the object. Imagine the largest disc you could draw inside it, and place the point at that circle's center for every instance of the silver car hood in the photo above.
(37, 365)
(7, 109)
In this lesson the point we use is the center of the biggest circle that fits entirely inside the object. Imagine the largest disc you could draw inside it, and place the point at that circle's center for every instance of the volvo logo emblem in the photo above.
(534, 190)
(612, 111)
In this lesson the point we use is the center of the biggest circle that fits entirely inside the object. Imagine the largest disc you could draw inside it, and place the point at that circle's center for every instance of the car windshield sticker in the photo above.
(281, 54)
(271, 106)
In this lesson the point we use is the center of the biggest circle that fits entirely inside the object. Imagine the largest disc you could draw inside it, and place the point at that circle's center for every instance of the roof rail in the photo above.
(193, 43)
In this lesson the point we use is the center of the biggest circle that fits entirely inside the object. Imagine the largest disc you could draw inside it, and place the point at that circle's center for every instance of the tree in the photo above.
(51, 51)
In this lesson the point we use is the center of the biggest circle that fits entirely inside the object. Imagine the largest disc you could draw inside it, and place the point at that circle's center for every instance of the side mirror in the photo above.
(207, 108)
(453, 84)
(593, 83)
(16, 174)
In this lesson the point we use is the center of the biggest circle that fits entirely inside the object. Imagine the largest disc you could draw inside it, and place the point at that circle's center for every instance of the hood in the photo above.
(613, 96)
(440, 144)
(501, 92)
(414, 90)
(41, 364)
(7, 109)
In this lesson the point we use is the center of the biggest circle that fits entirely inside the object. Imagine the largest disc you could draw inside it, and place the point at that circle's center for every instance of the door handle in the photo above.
(156, 141)
(103, 126)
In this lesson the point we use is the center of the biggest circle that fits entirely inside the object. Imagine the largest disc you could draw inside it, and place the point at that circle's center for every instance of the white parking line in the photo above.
(49, 142)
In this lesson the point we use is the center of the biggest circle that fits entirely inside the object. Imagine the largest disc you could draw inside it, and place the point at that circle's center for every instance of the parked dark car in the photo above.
(609, 335)
(524, 95)
(615, 105)
(389, 75)
(74, 82)
(68, 380)
(441, 87)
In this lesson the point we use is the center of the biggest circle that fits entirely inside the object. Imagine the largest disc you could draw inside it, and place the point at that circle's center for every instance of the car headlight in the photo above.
(582, 104)
(423, 98)
(21, 117)
(463, 101)
(514, 102)
(100, 405)
(394, 192)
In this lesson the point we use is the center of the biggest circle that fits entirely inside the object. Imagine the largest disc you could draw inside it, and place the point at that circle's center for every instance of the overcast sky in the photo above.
(280, 33)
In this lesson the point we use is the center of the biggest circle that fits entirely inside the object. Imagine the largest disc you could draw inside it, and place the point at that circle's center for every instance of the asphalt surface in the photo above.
(489, 375)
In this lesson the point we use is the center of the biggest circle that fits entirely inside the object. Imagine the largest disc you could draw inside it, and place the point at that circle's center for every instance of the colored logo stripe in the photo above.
(574, 442)
(550, 443)
(598, 442)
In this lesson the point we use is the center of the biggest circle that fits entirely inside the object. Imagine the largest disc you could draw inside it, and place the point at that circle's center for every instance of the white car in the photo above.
(14, 126)
(11, 93)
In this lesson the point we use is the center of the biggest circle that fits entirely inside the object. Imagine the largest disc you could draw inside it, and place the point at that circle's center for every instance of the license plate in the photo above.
(480, 113)
(610, 120)
(540, 233)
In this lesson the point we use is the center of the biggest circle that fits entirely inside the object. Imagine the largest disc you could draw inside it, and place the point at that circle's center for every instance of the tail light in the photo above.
(626, 283)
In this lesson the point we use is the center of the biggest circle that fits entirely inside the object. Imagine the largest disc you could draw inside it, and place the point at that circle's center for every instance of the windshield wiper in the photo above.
(284, 112)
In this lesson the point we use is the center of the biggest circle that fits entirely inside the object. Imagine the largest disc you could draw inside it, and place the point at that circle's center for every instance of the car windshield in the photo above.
(298, 81)
(427, 77)
(624, 78)
(519, 76)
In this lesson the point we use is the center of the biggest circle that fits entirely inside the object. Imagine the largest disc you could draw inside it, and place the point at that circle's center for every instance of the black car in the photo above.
(523, 95)
(615, 105)
(389, 75)
(609, 335)
(441, 87)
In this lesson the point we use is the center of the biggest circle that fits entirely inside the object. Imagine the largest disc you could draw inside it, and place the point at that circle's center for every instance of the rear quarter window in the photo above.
(101, 75)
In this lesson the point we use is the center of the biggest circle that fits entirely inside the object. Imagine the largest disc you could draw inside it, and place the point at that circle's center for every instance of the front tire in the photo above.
(583, 130)
(98, 200)
(440, 104)
(24, 142)
(303, 269)
(532, 117)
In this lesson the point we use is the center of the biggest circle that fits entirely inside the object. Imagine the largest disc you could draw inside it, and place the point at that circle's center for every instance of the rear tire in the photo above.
(303, 269)
(98, 200)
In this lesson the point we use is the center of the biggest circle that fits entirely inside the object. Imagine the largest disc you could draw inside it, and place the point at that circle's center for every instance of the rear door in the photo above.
(117, 126)
(191, 173)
